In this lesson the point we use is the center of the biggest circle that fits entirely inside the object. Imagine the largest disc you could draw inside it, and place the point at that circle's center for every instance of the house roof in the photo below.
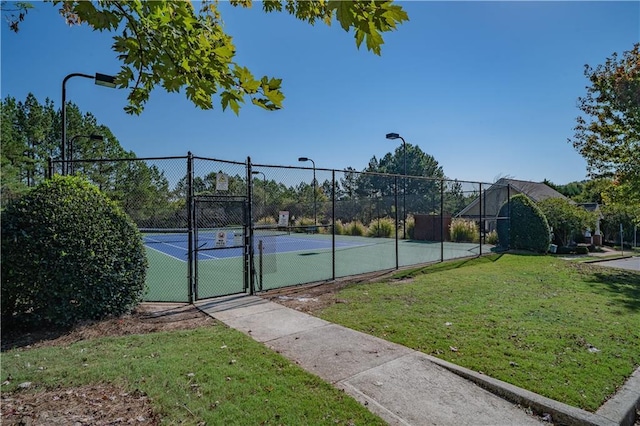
(537, 191)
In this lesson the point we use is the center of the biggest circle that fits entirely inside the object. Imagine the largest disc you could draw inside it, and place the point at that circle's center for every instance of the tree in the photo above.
(169, 43)
(423, 193)
(566, 219)
(609, 136)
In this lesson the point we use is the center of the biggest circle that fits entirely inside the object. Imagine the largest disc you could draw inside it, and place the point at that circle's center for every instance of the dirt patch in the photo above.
(146, 318)
(97, 404)
(312, 298)
(102, 404)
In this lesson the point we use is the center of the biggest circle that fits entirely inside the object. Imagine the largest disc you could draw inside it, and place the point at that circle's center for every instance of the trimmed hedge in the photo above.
(69, 254)
(527, 228)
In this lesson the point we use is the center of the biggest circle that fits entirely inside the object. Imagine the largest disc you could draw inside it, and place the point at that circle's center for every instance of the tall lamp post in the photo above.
(101, 80)
(264, 188)
(315, 183)
(92, 137)
(394, 136)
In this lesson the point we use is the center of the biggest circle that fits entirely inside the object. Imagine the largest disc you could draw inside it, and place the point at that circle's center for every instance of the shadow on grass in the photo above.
(625, 284)
(447, 265)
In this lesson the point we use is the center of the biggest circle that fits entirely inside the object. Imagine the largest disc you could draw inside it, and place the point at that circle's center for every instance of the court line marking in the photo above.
(181, 248)
(165, 253)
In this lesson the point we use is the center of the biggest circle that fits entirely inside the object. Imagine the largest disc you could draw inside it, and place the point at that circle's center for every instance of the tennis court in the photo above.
(280, 260)
(218, 244)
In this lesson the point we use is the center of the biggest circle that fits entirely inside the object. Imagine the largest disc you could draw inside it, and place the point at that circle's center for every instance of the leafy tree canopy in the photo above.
(608, 133)
(171, 44)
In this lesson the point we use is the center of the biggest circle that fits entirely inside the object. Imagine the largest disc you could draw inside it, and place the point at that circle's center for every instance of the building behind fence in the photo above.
(216, 227)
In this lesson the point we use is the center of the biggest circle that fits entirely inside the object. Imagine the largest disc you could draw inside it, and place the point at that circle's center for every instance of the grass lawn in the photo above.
(568, 331)
(209, 375)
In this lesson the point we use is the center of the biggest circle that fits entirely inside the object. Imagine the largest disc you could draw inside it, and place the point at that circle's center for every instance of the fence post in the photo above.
(481, 221)
(333, 225)
(193, 291)
(250, 267)
(395, 193)
(49, 167)
(508, 216)
(442, 220)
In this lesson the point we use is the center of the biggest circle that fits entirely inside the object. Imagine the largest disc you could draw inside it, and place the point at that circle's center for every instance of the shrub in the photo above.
(462, 230)
(492, 238)
(381, 228)
(567, 220)
(355, 228)
(305, 221)
(69, 254)
(527, 228)
(582, 250)
(266, 220)
(339, 227)
(564, 250)
(411, 226)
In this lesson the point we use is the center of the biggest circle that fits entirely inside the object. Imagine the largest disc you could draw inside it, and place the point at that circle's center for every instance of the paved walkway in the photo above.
(402, 386)
(628, 263)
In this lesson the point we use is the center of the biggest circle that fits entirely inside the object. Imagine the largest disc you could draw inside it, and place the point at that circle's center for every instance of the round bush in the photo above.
(582, 250)
(527, 228)
(69, 254)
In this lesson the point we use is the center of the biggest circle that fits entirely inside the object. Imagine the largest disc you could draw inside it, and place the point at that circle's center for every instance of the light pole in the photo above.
(393, 136)
(315, 183)
(93, 137)
(101, 80)
(264, 188)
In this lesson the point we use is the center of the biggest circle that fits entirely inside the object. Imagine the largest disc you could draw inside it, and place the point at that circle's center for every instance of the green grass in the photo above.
(210, 375)
(532, 321)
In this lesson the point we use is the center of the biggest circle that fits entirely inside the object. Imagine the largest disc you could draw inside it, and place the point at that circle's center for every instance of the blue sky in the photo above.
(487, 88)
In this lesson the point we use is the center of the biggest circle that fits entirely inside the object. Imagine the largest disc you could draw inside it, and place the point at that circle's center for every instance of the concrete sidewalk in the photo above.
(402, 386)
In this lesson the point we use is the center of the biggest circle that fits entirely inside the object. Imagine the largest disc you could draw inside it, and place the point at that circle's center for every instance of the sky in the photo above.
(489, 89)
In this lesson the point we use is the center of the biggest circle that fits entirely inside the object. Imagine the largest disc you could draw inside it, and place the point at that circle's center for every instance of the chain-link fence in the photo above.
(214, 227)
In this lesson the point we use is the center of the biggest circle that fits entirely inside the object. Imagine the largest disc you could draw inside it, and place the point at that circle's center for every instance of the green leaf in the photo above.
(344, 14)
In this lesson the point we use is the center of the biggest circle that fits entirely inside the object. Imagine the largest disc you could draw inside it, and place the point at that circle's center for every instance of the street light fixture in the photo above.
(394, 136)
(92, 137)
(99, 79)
(264, 188)
(315, 183)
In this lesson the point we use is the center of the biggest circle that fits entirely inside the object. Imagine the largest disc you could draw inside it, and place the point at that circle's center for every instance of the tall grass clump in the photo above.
(381, 228)
(492, 238)
(266, 220)
(339, 227)
(411, 226)
(305, 221)
(355, 228)
(463, 231)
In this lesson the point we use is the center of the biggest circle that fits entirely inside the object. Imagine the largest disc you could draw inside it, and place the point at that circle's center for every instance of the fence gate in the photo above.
(220, 246)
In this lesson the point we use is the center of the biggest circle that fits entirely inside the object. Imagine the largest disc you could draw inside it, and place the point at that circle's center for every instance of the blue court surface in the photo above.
(212, 246)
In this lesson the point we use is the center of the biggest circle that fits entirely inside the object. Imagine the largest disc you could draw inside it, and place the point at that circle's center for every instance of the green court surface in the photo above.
(167, 276)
